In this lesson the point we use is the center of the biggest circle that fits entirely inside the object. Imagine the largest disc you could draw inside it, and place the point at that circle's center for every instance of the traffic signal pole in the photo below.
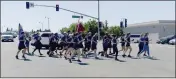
(68, 11)
(32, 5)
(98, 20)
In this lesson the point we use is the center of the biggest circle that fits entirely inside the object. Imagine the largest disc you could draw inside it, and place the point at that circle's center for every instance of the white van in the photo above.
(44, 39)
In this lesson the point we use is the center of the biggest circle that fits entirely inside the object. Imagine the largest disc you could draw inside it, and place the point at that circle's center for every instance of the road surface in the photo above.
(108, 67)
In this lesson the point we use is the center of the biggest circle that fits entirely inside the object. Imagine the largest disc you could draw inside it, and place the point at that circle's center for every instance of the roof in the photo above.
(152, 23)
(6, 35)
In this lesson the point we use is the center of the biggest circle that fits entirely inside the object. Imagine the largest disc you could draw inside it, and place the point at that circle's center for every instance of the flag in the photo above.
(20, 29)
(79, 26)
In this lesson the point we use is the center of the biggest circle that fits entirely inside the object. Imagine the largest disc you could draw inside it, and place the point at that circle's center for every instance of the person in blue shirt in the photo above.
(21, 45)
(94, 45)
(80, 38)
(128, 46)
(63, 43)
(69, 53)
(146, 45)
(76, 46)
(37, 44)
(56, 36)
(114, 46)
(109, 43)
(28, 39)
(141, 43)
(105, 45)
(87, 42)
(52, 44)
(122, 41)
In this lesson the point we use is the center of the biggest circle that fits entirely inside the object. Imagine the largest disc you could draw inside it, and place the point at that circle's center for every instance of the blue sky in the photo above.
(15, 12)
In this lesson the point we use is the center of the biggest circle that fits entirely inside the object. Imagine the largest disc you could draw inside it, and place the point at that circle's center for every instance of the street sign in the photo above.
(74, 16)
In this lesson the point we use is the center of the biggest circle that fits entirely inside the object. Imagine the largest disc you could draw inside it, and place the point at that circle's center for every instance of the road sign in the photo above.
(74, 16)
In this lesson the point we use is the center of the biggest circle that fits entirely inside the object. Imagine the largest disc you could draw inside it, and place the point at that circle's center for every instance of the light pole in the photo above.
(48, 22)
(98, 20)
(42, 25)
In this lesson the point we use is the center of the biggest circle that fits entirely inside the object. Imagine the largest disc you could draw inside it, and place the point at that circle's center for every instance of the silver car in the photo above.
(7, 38)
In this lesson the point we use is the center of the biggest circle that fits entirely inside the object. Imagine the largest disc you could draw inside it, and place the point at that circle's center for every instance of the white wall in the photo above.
(156, 30)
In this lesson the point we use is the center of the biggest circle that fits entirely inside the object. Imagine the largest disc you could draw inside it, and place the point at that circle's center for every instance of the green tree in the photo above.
(64, 29)
(72, 27)
(116, 30)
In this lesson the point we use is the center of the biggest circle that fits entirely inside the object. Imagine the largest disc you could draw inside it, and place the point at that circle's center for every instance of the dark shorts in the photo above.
(128, 44)
(59, 47)
(105, 48)
(109, 45)
(22, 46)
(115, 49)
(63, 44)
(38, 45)
(93, 47)
(81, 45)
(122, 44)
(27, 45)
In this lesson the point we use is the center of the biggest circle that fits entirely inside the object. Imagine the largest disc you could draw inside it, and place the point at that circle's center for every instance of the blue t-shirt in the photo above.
(142, 39)
(114, 41)
(147, 40)
(22, 40)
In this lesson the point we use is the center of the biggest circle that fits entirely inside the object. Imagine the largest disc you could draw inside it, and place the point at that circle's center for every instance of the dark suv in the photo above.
(165, 40)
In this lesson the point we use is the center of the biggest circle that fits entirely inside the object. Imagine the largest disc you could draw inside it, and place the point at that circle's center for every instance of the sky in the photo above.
(15, 12)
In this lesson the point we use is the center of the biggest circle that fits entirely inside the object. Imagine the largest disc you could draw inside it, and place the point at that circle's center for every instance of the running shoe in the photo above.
(16, 57)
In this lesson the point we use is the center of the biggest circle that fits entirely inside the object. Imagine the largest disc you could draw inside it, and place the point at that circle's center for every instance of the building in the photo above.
(156, 29)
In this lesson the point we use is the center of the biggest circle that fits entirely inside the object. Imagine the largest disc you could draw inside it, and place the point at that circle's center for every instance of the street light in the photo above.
(42, 25)
(48, 22)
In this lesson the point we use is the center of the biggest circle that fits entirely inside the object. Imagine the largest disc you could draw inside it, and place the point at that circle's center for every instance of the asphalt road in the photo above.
(108, 67)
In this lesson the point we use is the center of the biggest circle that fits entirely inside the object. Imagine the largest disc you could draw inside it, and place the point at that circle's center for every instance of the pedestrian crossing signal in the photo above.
(27, 5)
(57, 7)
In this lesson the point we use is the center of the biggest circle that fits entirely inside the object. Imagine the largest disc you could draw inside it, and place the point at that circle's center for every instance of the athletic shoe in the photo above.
(16, 57)
(129, 56)
(79, 60)
(111, 53)
(116, 59)
(96, 58)
(70, 60)
(65, 57)
(41, 54)
(48, 52)
(23, 57)
(73, 58)
(144, 55)
(107, 56)
(124, 55)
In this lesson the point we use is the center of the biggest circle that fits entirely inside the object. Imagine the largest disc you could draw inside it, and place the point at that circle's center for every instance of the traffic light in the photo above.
(100, 24)
(27, 5)
(121, 24)
(125, 22)
(57, 7)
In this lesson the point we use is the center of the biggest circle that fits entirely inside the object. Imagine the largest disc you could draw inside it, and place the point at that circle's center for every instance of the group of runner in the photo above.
(75, 45)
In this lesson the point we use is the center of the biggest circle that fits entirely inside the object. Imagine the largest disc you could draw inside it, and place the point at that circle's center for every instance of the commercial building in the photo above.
(156, 29)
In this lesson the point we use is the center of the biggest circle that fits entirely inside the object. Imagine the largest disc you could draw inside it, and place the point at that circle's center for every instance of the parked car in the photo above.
(165, 40)
(44, 39)
(172, 42)
(7, 38)
(10, 33)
